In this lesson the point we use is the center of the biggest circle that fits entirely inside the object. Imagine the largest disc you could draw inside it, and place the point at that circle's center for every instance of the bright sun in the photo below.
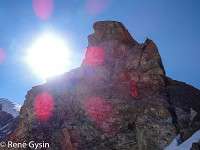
(48, 56)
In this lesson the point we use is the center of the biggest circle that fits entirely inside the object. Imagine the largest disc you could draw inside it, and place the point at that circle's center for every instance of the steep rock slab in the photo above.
(92, 105)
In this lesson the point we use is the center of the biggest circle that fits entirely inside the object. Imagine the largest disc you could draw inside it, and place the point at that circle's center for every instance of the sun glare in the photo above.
(48, 56)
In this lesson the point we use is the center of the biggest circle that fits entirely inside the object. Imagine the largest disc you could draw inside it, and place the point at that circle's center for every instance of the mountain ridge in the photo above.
(9, 112)
(10, 107)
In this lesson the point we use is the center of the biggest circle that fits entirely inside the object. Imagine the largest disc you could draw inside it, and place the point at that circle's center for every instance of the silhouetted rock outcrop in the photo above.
(91, 107)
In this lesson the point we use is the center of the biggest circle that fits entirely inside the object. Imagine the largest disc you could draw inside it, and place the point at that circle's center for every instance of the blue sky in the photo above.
(173, 25)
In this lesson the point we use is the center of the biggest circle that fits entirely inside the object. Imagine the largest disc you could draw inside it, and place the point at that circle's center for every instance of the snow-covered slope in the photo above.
(185, 145)
(10, 107)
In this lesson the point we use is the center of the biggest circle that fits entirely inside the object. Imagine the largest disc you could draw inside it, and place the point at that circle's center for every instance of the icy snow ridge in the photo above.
(10, 107)
(185, 145)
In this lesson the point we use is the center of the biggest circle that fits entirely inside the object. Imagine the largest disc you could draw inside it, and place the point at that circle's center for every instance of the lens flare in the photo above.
(95, 7)
(43, 106)
(48, 56)
(2, 55)
(94, 56)
(43, 8)
(100, 112)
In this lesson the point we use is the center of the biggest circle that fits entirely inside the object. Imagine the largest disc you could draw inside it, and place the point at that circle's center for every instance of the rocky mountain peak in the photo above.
(105, 31)
(123, 58)
(119, 98)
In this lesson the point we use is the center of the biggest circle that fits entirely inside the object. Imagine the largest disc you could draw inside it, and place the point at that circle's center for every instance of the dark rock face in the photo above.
(93, 106)
(4, 118)
(195, 146)
(186, 101)
(7, 125)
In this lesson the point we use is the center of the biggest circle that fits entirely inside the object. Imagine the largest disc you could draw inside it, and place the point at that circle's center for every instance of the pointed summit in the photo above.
(105, 31)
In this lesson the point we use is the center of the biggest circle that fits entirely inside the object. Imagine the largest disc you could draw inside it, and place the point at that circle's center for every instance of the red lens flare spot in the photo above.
(2, 55)
(43, 106)
(100, 112)
(95, 7)
(94, 56)
(43, 8)
(133, 88)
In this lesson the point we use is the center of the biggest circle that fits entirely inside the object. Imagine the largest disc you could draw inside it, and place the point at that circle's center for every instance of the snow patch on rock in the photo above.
(185, 145)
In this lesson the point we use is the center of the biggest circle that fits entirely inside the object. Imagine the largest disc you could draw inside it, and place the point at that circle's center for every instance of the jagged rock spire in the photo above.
(105, 31)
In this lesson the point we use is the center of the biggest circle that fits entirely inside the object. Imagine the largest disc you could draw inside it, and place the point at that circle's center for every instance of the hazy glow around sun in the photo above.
(48, 56)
